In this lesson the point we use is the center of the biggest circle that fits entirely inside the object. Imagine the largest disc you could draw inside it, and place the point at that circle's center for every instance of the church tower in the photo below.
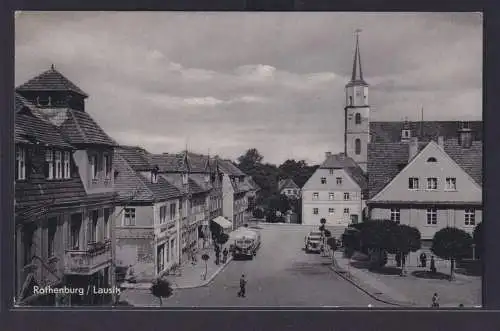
(357, 113)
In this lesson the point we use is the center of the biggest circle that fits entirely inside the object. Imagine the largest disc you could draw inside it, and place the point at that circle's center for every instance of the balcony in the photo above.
(87, 262)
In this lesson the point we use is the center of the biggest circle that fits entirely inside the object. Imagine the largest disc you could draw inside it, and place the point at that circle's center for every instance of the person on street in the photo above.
(224, 255)
(243, 284)
(423, 260)
(433, 265)
(435, 301)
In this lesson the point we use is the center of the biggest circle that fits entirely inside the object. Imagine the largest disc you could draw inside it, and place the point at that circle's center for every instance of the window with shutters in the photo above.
(58, 165)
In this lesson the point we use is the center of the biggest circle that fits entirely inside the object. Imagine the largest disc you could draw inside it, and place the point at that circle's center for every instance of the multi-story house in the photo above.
(426, 174)
(336, 192)
(236, 190)
(194, 182)
(147, 219)
(289, 188)
(64, 191)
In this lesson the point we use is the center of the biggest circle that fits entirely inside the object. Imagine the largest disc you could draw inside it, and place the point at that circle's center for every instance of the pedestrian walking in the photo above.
(423, 260)
(217, 257)
(433, 265)
(435, 301)
(243, 284)
(224, 255)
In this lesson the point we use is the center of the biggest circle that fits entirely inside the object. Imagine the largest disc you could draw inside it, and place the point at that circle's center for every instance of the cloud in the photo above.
(231, 81)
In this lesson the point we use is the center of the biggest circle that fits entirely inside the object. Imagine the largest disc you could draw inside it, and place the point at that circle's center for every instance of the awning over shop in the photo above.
(223, 222)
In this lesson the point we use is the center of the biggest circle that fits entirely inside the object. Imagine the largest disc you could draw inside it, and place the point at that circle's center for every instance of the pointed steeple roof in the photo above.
(51, 80)
(357, 70)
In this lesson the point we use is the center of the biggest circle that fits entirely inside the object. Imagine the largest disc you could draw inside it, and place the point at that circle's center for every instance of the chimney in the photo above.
(328, 154)
(465, 136)
(412, 148)
(441, 141)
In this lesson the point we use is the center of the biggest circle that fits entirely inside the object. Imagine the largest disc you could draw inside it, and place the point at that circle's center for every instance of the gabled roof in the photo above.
(170, 163)
(51, 80)
(287, 184)
(390, 132)
(338, 161)
(359, 176)
(132, 185)
(386, 160)
(137, 157)
(227, 167)
(240, 187)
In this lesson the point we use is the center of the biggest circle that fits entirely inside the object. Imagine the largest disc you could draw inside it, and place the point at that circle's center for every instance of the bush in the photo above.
(258, 213)
(161, 288)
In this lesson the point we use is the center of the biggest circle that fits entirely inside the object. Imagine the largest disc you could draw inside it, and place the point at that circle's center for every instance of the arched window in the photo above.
(431, 159)
(357, 118)
(357, 146)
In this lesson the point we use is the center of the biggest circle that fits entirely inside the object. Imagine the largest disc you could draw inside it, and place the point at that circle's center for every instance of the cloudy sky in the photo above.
(226, 82)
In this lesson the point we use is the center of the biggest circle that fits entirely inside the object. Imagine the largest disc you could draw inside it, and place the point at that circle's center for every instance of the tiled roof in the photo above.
(385, 161)
(137, 157)
(469, 159)
(338, 161)
(199, 179)
(390, 132)
(51, 80)
(78, 127)
(359, 176)
(31, 129)
(131, 184)
(197, 162)
(287, 183)
(167, 162)
(227, 167)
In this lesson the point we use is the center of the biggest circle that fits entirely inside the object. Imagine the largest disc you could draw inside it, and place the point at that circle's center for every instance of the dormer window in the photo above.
(44, 102)
(432, 159)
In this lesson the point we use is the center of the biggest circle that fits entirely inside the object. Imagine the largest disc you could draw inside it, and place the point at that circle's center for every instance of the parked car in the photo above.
(313, 242)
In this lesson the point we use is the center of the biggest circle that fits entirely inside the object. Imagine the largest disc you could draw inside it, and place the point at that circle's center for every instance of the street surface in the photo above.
(281, 274)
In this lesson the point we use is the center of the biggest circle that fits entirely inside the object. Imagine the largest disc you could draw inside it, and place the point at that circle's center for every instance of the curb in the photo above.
(350, 279)
(208, 281)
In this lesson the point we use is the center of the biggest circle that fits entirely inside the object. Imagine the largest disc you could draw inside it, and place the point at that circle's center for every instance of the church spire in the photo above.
(357, 70)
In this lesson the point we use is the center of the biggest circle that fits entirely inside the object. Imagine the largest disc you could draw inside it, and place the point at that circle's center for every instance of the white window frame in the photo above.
(413, 183)
(49, 159)
(347, 211)
(315, 211)
(21, 163)
(432, 183)
(331, 211)
(66, 165)
(470, 217)
(347, 196)
(331, 196)
(94, 171)
(105, 160)
(451, 184)
(323, 180)
(431, 216)
(58, 165)
(129, 217)
(396, 215)
(339, 180)
(331, 171)
(315, 195)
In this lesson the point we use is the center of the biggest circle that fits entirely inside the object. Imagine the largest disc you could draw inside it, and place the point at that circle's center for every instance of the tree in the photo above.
(451, 244)
(251, 158)
(478, 240)
(279, 203)
(161, 288)
(222, 238)
(205, 258)
(406, 239)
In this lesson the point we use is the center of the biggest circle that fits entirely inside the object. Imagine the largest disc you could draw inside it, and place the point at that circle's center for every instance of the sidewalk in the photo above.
(191, 275)
(410, 291)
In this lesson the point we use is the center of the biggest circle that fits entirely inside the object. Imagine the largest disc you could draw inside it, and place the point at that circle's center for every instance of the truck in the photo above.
(313, 242)
(245, 243)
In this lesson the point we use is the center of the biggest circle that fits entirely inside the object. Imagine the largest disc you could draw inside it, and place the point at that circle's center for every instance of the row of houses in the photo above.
(85, 205)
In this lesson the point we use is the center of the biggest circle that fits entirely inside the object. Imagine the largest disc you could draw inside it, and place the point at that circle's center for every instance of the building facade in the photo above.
(431, 178)
(64, 193)
(336, 192)
(289, 188)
